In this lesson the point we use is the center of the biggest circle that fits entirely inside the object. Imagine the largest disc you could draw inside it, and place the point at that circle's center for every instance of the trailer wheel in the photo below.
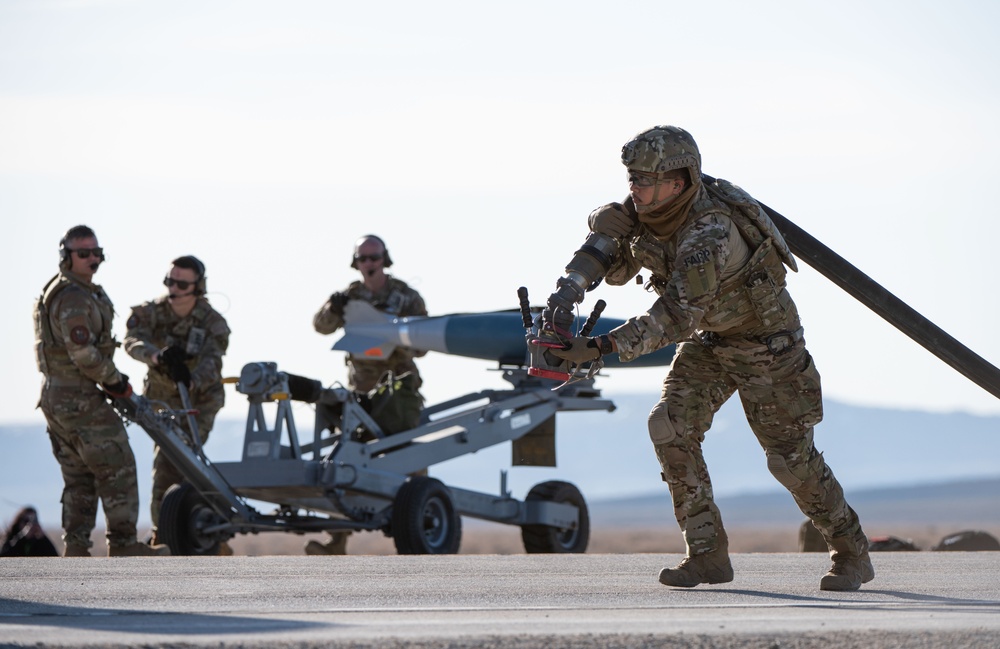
(548, 539)
(424, 520)
(183, 516)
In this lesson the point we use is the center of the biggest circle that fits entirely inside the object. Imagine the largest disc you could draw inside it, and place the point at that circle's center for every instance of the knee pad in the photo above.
(778, 467)
(661, 429)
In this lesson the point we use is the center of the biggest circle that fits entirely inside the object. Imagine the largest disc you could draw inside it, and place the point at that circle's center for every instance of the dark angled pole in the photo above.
(896, 312)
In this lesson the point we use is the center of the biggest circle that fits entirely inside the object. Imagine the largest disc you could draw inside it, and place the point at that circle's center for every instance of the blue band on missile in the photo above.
(499, 337)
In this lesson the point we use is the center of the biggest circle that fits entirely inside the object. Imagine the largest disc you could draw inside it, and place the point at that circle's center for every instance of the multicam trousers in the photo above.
(782, 399)
(91, 445)
(165, 474)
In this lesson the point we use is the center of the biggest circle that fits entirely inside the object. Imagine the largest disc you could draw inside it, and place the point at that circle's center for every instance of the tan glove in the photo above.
(581, 349)
(612, 220)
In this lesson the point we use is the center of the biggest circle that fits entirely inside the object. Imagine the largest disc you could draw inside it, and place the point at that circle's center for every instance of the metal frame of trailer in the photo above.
(349, 475)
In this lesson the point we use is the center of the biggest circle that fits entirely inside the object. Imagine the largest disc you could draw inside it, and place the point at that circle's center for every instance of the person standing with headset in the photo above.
(389, 295)
(74, 350)
(182, 339)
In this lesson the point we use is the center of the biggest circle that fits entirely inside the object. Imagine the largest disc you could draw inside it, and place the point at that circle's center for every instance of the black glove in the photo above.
(173, 355)
(337, 302)
(173, 359)
(580, 349)
(181, 374)
(120, 390)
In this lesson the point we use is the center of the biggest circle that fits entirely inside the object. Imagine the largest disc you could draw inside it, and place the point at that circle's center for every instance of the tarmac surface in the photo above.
(918, 599)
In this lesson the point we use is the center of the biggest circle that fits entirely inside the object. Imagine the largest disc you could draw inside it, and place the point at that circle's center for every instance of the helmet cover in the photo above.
(660, 149)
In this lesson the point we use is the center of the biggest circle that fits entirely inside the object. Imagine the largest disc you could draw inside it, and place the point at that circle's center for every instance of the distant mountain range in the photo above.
(897, 463)
(953, 505)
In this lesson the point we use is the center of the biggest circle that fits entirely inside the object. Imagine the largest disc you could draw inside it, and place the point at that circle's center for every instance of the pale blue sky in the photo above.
(475, 138)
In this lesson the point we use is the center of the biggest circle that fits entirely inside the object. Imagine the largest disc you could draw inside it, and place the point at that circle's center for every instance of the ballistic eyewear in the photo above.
(85, 253)
(368, 258)
(641, 181)
(179, 283)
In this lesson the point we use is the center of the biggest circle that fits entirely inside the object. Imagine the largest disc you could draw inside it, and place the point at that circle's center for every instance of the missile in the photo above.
(493, 336)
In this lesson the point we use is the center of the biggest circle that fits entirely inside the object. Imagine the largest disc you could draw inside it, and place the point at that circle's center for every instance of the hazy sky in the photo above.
(475, 138)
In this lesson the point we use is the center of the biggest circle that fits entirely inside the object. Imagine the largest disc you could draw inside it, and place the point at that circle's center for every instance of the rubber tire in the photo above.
(424, 520)
(182, 514)
(545, 539)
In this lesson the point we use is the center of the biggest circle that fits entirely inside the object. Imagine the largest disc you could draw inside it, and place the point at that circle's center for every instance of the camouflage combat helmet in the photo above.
(660, 149)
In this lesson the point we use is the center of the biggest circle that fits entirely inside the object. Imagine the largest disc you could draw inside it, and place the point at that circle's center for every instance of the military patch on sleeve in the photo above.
(699, 269)
(79, 335)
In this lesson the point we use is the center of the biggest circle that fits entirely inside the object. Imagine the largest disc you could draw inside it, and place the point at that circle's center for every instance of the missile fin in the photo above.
(359, 315)
(368, 347)
(359, 312)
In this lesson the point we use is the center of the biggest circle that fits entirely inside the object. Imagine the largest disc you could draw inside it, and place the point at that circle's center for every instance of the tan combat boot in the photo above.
(707, 568)
(336, 545)
(851, 564)
(73, 550)
(137, 549)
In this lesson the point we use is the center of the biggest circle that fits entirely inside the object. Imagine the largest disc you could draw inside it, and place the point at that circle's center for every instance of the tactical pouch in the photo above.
(40, 342)
(765, 286)
(44, 341)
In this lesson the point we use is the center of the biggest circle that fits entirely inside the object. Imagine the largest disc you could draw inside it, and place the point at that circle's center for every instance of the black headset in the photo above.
(193, 263)
(75, 232)
(386, 259)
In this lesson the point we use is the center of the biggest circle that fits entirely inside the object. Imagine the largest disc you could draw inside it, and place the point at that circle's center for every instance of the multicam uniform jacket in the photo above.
(396, 298)
(721, 273)
(73, 340)
(74, 350)
(203, 334)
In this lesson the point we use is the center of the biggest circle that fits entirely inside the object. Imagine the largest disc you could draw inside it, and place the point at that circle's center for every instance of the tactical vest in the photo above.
(51, 355)
(753, 223)
(755, 298)
(363, 373)
(192, 340)
(396, 298)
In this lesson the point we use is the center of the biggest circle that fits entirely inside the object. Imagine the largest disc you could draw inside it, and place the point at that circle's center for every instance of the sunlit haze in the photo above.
(475, 138)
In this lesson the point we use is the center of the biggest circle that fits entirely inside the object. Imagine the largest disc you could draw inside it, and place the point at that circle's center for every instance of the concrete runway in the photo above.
(918, 599)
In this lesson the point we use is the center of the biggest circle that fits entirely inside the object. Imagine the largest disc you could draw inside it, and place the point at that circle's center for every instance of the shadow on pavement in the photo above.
(21, 612)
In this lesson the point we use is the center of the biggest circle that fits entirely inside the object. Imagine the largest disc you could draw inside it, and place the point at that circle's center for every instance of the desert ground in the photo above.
(490, 538)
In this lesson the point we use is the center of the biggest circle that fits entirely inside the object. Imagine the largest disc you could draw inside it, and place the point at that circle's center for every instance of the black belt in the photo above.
(777, 343)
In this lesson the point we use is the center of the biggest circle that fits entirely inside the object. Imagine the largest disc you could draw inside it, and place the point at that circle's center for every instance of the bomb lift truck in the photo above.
(336, 481)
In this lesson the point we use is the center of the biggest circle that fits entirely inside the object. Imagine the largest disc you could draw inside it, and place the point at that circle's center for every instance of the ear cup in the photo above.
(64, 254)
(201, 286)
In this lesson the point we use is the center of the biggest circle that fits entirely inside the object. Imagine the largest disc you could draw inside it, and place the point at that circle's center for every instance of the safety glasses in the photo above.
(85, 253)
(179, 283)
(640, 181)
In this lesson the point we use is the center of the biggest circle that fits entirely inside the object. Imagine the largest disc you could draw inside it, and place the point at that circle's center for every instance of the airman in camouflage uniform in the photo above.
(385, 293)
(182, 339)
(74, 349)
(717, 264)
(390, 295)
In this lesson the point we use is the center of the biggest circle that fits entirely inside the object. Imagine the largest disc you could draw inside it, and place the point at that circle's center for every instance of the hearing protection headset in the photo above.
(386, 259)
